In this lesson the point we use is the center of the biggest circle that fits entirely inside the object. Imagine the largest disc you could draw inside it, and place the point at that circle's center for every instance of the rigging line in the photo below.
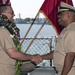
(29, 29)
(35, 37)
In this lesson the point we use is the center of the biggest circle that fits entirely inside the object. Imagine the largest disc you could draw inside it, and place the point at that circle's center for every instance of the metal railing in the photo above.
(41, 45)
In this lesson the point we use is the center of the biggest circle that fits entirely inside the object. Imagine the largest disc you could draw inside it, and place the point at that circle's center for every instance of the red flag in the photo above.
(49, 9)
(0, 2)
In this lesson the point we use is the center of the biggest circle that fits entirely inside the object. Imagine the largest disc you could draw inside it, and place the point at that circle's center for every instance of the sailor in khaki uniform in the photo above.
(7, 65)
(64, 54)
(10, 49)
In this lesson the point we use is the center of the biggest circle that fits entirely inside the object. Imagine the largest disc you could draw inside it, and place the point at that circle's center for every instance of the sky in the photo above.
(27, 8)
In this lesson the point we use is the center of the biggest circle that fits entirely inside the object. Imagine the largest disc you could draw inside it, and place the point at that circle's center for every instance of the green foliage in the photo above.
(18, 62)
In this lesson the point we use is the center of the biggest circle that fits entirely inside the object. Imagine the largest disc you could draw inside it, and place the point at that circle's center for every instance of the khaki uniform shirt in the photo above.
(7, 65)
(65, 44)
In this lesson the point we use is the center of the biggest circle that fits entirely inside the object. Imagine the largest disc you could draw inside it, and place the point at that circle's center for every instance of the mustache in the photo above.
(59, 19)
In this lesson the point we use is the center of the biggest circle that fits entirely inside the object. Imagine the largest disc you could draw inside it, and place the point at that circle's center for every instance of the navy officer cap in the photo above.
(65, 7)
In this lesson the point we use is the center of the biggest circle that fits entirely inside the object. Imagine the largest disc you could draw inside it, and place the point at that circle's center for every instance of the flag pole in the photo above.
(35, 37)
(29, 29)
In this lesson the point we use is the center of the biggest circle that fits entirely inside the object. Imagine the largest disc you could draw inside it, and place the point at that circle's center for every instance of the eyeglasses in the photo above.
(9, 12)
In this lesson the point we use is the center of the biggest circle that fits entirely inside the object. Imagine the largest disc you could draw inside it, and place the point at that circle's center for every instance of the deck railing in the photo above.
(41, 45)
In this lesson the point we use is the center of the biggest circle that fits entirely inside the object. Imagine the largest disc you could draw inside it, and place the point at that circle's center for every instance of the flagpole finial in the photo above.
(5, 2)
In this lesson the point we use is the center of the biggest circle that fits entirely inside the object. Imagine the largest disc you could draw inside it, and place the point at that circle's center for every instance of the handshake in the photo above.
(39, 58)
(36, 58)
(30, 65)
